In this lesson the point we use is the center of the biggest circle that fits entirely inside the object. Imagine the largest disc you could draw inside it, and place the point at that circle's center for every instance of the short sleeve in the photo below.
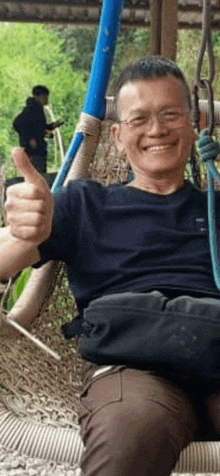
(62, 244)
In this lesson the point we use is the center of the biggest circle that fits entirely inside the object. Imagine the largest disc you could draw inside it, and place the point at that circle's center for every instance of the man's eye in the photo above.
(138, 120)
(171, 115)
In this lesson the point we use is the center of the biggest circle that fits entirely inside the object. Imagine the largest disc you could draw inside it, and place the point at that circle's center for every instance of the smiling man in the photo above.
(154, 128)
(139, 267)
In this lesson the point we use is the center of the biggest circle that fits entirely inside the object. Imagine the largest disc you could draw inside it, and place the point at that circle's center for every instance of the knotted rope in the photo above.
(209, 148)
(90, 127)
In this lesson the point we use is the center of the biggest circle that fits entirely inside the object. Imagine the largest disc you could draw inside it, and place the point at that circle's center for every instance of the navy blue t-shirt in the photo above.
(116, 239)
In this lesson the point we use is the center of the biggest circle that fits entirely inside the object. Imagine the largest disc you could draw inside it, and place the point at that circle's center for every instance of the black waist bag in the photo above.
(149, 330)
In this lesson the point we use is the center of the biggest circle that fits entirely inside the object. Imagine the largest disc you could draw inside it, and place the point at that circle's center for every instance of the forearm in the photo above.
(15, 254)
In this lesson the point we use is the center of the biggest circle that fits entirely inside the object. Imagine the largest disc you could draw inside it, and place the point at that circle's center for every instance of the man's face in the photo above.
(42, 99)
(157, 133)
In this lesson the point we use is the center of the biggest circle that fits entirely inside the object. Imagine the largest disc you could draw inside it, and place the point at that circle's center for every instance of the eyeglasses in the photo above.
(170, 117)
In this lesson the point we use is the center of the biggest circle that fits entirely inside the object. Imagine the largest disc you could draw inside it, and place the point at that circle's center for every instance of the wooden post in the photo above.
(169, 29)
(164, 27)
(156, 23)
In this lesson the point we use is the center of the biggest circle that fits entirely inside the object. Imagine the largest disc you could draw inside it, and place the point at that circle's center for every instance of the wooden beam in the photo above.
(169, 28)
(69, 11)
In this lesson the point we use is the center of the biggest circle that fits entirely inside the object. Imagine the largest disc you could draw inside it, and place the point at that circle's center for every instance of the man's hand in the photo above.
(29, 205)
(33, 143)
(53, 125)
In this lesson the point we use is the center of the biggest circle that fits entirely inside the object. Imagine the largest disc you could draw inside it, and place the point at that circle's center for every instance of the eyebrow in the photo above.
(141, 111)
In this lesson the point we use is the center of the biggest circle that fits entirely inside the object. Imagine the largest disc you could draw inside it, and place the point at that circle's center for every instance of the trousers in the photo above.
(135, 422)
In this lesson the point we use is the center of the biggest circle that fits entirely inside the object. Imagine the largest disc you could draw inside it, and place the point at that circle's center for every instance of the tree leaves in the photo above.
(32, 54)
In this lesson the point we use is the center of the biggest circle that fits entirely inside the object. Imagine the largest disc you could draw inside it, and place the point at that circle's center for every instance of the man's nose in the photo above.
(155, 125)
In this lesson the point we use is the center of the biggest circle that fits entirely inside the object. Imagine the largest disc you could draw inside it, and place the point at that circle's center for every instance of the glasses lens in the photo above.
(169, 118)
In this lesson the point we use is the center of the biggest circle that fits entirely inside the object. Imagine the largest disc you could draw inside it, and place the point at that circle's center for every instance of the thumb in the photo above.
(26, 168)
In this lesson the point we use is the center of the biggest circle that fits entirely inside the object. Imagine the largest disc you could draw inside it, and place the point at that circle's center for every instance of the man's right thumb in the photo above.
(26, 168)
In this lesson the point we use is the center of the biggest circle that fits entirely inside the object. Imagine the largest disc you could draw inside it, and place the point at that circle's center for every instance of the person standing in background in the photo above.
(32, 127)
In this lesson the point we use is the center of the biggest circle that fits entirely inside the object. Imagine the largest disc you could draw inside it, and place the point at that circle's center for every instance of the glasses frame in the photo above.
(148, 122)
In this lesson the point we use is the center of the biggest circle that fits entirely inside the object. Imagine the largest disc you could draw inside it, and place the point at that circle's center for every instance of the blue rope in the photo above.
(209, 150)
(94, 103)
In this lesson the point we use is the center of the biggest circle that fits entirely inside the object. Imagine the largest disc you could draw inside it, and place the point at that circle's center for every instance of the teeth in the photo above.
(158, 147)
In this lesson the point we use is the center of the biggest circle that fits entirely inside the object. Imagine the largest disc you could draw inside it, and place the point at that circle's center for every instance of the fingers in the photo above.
(28, 232)
(29, 205)
(21, 201)
(28, 219)
(25, 167)
(25, 190)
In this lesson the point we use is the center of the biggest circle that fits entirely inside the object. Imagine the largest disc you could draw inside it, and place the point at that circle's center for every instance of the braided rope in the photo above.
(91, 128)
(199, 457)
(88, 125)
(38, 440)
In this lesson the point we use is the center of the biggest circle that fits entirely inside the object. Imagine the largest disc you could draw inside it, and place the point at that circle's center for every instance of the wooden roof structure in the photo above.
(136, 13)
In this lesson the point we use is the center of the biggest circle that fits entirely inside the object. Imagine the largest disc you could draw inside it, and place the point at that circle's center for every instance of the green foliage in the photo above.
(187, 53)
(18, 287)
(216, 42)
(132, 45)
(78, 44)
(30, 55)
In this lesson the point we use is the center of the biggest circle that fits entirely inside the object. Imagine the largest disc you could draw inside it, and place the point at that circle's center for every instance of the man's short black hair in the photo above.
(151, 67)
(37, 90)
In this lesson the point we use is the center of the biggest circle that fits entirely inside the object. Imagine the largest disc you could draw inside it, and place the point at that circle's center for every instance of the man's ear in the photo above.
(116, 136)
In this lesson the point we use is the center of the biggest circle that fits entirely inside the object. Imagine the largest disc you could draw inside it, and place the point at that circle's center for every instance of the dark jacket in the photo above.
(29, 124)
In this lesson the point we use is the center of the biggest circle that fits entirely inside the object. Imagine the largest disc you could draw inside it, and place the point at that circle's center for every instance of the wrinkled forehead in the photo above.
(151, 94)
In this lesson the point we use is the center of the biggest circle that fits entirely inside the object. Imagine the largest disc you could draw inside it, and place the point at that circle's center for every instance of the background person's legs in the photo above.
(133, 423)
(40, 163)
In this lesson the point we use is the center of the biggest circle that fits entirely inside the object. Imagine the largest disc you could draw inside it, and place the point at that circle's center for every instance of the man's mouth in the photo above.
(151, 148)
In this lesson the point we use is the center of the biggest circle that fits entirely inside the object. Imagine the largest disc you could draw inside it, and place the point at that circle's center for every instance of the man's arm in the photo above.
(15, 254)
(30, 208)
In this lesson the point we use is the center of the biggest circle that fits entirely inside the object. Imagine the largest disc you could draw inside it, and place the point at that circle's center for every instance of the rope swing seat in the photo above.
(40, 372)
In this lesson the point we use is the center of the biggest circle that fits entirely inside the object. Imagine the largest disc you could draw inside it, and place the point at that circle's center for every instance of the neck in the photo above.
(162, 185)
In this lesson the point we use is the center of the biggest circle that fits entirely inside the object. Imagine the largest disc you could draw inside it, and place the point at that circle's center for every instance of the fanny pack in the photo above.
(149, 330)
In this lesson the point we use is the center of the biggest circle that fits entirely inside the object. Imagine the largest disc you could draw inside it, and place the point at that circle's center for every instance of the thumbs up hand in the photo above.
(30, 204)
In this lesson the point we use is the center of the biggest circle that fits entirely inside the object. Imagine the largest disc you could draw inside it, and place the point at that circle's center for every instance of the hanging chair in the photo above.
(38, 394)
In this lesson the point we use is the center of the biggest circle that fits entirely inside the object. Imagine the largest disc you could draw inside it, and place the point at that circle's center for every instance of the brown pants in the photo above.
(136, 423)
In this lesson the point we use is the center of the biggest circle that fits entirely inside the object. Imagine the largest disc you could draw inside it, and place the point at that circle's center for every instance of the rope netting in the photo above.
(39, 394)
(108, 166)
(34, 387)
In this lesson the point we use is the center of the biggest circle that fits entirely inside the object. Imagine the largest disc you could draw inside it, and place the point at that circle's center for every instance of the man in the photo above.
(133, 251)
(32, 128)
